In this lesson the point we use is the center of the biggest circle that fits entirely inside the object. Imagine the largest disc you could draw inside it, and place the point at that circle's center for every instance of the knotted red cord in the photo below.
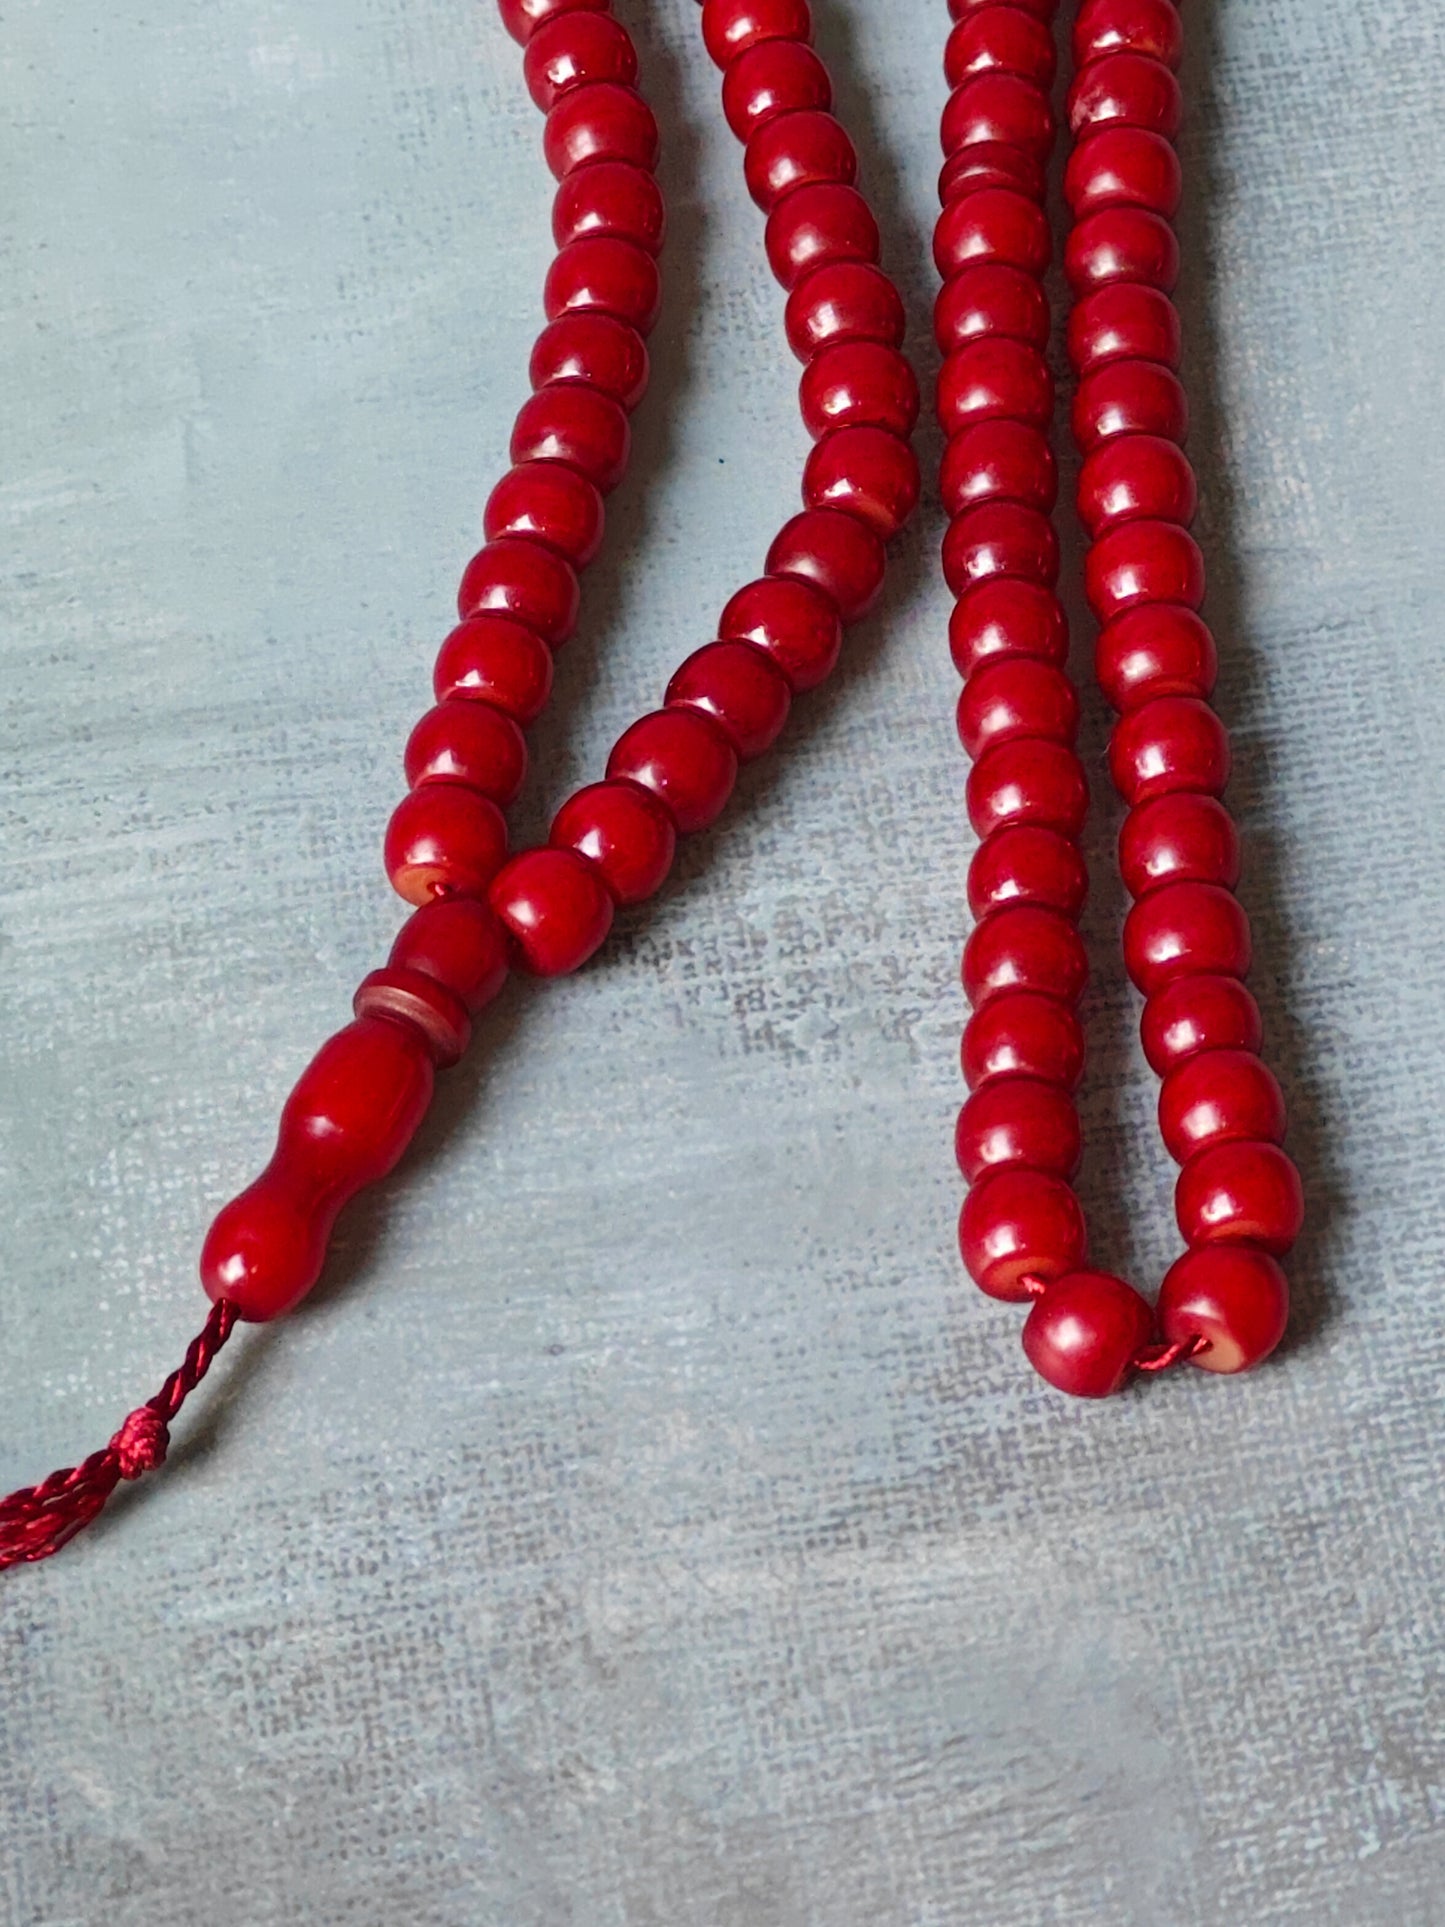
(38, 1519)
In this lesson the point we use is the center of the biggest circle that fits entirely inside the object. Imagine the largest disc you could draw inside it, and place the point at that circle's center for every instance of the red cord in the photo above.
(39, 1519)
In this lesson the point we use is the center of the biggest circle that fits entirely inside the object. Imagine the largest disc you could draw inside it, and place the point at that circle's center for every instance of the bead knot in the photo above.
(140, 1444)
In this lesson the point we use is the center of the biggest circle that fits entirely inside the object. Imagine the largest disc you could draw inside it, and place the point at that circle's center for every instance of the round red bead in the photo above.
(999, 539)
(1143, 562)
(624, 831)
(858, 384)
(836, 552)
(552, 504)
(1030, 782)
(1182, 837)
(520, 578)
(495, 660)
(1121, 244)
(730, 27)
(1124, 321)
(990, 164)
(773, 77)
(1000, 39)
(1006, 616)
(470, 743)
(683, 758)
(815, 225)
(599, 122)
(990, 302)
(595, 350)
(609, 200)
(444, 840)
(1027, 865)
(994, 225)
(994, 376)
(1149, 27)
(1022, 947)
(458, 943)
(1185, 930)
(1129, 90)
(843, 301)
(1155, 649)
(1018, 1225)
(1023, 1034)
(998, 107)
(571, 422)
(602, 275)
(870, 472)
(998, 461)
(523, 18)
(1016, 696)
(1240, 1193)
(555, 908)
(1018, 1120)
(1134, 478)
(1172, 743)
(1233, 1296)
(1123, 167)
(740, 688)
(1086, 1332)
(1041, 9)
(1128, 398)
(1196, 1014)
(574, 48)
(795, 624)
(1215, 1096)
(797, 150)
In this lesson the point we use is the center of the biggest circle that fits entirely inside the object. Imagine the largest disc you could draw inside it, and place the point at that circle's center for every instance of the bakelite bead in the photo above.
(1215, 1096)
(409, 997)
(998, 107)
(572, 49)
(858, 384)
(814, 225)
(1123, 167)
(1018, 1120)
(1130, 90)
(572, 422)
(1016, 696)
(1085, 1333)
(1240, 1193)
(1171, 743)
(797, 150)
(793, 623)
(994, 376)
(469, 743)
(999, 539)
(1031, 782)
(1143, 562)
(624, 831)
(1156, 649)
(608, 199)
(1124, 321)
(599, 122)
(995, 226)
(843, 301)
(990, 302)
(683, 758)
(1006, 616)
(741, 689)
(990, 164)
(552, 504)
(523, 18)
(593, 349)
(730, 27)
(1000, 39)
(602, 275)
(1181, 837)
(555, 908)
(458, 943)
(1231, 1295)
(1024, 948)
(1016, 1225)
(352, 1113)
(1121, 244)
(1129, 398)
(444, 840)
(1023, 1034)
(1149, 27)
(770, 78)
(1133, 478)
(836, 553)
(1000, 461)
(1198, 1014)
(494, 660)
(1027, 865)
(1185, 930)
(869, 472)
(524, 580)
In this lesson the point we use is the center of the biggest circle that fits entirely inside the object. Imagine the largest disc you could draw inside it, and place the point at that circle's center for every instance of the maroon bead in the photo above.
(469, 743)
(1123, 167)
(1129, 398)
(523, 18)
(1180, 837)
(987, 302)
(522, 579)
(1006, 616)
(998, 107)
(1127, 90)
(836, 553)
(1121, 244)
(1149, 27)
(990, 164)
(1124, 321)
(572, 49)
(1143, 562)
(730, 27)
(1172, 743)
(999, 39)
(552, 504)
(741, 689)
(1086, 1332)
(609, 200)
(1233, 1296)
(994, 376)
(869, 472)
(599, 122)
(600, 275)
(858, 384)
(1197, 1014)
(408, 997)
(998, 461)
(684, 759)
(1024, 948)
(555, 908)
(494, 660)
(1018, 1225)
(1016, 696)
(843, 301)
(1216, 1096)
(624, 831)
(1185, 930)
(1028, 782)
(444, 840)
(1240, 1193)
(813, 226)
(594, 350)
(1027, 865)
(770, 78)
(797, 150)
(796, 625)
(458, 943)
(569, 421)
(999, 539)
(1133, 478)
(1023, 1033)
(1155, 649)
(1018, 1120)
(992, 226)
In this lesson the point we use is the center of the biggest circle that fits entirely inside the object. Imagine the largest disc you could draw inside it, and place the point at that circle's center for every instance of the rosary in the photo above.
(480, 914)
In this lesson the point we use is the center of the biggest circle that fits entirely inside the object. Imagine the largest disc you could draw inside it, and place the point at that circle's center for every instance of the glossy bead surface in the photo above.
(574, 48)
(1143, 562)
(1000, 39)
(1216, 1096)
(1020, 1224)
(624, 831)
(858, 384)
(1000, 461)
(572, 422)
(992, 226)
(599, 122)
(988, 302)
(1027, 865)
(555, 908)
(1016, 696)
(602, 275)
(1149, 27)
(1028, 782)
(1125, 89)
(1085, 1333)
(458, 943)
(494, 660)
(836, 553)
(607, 200)
(999, 539)
(1041, 9)
(552, 504)
(740, 688)
(813, 226)
(523, 18)
(990, 164)
(1123, 167)
(1198, 1014)
(869, 472)
(1172, 743)
(797, 150)
(1240, 1193)
(1124, 321)
(1133, 478)
(792, 622)
(998, 107)
(730, 27)
(1182, 837)
(1121, 244)
(683, 758)
(1023, 1034)
(423, 1005)
(773, 77)
(469, 743)
(1006, 616)
(1183, 930)
(1022, 947)
(1235, 1297)
(994, 376)
(526, 581)
(843, 301)
(1018, 1120)
(1128, 398)
(444, 840)
(1155, 649)
(595, 350)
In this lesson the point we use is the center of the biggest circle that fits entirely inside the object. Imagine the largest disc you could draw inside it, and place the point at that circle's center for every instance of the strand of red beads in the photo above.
(545, 911)
(1186, 942)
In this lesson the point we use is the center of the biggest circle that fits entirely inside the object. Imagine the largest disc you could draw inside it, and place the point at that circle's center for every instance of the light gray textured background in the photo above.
(646, 1525)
